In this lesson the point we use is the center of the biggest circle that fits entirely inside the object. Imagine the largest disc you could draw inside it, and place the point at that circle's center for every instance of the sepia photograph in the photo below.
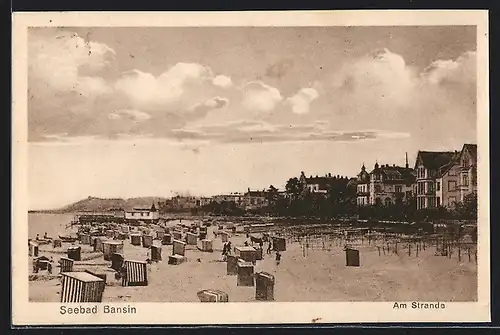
(252, 163)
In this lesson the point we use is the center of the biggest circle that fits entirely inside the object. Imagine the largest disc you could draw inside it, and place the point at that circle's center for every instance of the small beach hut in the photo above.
(135, 239)
(33, 248)
(147, 241)
(167, 239)
(245, 274)
(213, 296)
(112, 247)
(279, 244)
(248, 254)
(74, 253)
(79, 287)
(231, 265)
(160, 234)
(191, 238)
(98, 247)
(155, 253)
(117, 261)
(207, 245)
(179, 248)
(352, 257)
(264, 286)
(177, 235)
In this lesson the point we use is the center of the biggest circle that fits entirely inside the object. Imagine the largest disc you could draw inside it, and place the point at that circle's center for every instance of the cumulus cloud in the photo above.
(149, 92)
(260, 97)
(461, 70)
(57, 57)
(300, 102)
(222, 81)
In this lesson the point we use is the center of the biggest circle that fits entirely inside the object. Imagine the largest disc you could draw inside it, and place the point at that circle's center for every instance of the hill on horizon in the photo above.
(103, 204)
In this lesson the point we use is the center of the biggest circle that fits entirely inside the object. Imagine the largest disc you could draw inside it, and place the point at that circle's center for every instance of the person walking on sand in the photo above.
(278, 258)
(269, 248)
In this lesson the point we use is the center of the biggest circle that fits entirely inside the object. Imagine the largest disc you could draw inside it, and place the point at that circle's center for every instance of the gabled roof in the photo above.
(471, 149)
(434, 159)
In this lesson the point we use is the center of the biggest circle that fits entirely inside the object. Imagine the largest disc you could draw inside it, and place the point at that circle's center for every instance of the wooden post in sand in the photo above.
(409, 249)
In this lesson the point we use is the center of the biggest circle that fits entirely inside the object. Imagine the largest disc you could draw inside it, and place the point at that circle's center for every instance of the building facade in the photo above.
(321, 185)
(445, 178)
(254, 199)
(142, 214)
(467, 162)
(430, 167)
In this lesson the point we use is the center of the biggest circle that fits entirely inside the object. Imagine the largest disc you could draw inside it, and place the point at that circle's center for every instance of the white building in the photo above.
(143, 214)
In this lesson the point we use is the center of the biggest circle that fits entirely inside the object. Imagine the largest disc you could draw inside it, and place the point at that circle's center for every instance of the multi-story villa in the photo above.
(385, 184)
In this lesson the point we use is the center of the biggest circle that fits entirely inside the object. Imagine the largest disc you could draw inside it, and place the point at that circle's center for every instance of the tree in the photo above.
(467, 209)
(293, 187)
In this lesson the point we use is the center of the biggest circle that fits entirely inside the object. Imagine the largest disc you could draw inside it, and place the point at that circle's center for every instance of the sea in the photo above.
(52, 224)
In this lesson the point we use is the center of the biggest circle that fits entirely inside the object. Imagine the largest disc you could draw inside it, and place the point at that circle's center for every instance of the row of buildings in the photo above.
(252, 199)
(438, 178)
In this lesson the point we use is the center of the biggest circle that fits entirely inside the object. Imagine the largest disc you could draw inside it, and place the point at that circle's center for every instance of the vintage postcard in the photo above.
(250, 168)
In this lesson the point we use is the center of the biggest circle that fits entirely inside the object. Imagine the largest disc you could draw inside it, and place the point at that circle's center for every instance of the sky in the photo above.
(127, 112)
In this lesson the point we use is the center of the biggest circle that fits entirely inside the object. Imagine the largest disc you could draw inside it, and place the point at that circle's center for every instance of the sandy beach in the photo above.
(316, 273)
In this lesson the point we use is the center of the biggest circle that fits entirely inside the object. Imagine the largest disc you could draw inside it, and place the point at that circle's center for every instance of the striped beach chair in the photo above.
(78, 287)
(66, 264)
(135, 273)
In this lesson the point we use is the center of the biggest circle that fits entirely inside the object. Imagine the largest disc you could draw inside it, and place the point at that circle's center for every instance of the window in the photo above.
(430, 187)
(388, 201)
(421, 173)
(452, 185)
(377, 188)
(420, 188)
(465, 180)
(465, 163)
(438, 186)
(438, 201)
(398, 189)
(452, 200)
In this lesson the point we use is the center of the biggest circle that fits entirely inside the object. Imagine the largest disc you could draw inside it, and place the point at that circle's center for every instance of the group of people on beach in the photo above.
(226, 249)
(45, 236)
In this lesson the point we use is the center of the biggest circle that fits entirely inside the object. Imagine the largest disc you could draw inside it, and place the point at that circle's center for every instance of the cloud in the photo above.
(260, 97)
(249, 131)
(461, 70)
(222, 81)
(131, 114)
(300, 102)
(146, 91)
(57, 58)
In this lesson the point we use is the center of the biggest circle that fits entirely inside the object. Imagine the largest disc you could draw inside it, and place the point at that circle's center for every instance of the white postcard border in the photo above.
(29, 313)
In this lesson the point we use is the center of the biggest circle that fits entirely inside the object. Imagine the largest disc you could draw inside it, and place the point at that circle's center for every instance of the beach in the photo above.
(316, 273)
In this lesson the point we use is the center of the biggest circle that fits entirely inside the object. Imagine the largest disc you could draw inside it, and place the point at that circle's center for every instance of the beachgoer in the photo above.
(45, 235)
(246, 243)
(261, 244)
(278, 258)
(228, 250)
(37, 237)
(269, 248)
